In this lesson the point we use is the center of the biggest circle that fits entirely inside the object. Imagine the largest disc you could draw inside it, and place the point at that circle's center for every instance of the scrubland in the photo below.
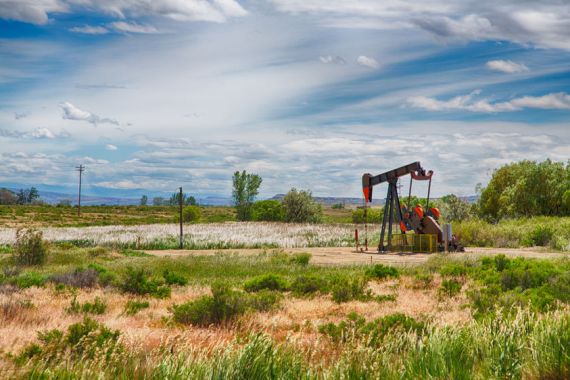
(121, 313)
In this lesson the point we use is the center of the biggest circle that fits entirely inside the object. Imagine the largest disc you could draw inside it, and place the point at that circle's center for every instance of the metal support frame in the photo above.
(391, 208)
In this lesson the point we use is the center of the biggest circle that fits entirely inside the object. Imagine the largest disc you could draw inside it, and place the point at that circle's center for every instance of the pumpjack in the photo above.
(417, 219)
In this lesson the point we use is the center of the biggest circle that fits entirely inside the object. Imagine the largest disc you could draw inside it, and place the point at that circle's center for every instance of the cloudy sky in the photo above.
(152, 95)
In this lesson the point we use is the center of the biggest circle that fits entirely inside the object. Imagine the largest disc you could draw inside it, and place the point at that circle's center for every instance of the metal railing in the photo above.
(413, 243)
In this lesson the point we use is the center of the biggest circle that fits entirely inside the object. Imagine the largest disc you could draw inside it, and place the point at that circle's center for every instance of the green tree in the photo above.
(144, 200)
(300, 207)
(190, 201)
(269, 210)
(191, 214)
(245, 188)
(526, 188)
(454, 209)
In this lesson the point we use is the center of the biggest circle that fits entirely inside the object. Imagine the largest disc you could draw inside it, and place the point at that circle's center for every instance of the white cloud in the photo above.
(70, 112)
(42, 133)
(363, 60)
(33, 12)
(332, 59)
(38, 11)
(558, 100)
(89, 29)
(508, 66)
(542, 23)
(111, 147)
(133, 28)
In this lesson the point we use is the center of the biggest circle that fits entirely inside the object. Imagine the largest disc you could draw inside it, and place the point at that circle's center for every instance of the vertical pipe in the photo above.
(410, 195)
(392, 188)
(429, 189)
(180, 202)
(384, 219)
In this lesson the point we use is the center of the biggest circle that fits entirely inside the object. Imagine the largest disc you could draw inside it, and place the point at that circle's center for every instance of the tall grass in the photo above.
(526, 346)
(551, 232)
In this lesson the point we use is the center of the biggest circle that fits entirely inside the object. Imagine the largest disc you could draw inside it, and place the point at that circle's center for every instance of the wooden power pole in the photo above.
(180, 203)
(80, 169)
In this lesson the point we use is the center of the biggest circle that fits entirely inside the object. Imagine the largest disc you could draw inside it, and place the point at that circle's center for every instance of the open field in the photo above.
(426, 318)
(53, 216)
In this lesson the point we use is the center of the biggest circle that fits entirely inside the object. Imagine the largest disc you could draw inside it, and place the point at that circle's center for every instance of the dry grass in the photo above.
(25, 312)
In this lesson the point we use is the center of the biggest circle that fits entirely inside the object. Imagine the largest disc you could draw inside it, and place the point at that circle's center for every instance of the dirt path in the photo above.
(348, 256)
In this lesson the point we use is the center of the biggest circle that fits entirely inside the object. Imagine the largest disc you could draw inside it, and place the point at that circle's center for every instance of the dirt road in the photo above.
(348, 255)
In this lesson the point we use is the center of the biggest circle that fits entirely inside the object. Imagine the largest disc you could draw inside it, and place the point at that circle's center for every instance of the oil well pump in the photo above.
(426, 234)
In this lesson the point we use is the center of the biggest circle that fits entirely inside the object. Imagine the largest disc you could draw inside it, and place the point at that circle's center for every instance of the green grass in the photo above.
(524, 346)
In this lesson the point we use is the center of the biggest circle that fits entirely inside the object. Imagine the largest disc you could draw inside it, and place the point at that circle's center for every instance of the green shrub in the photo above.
(453, 270)
(307, 285)
(348, 289)
(29, 248)
(105, 277)
(300, 207)
(172, 278)
(450, 287)
(301, 258)
(83, 341)
(133, 307)
(373, 215)
(266, 282)
(224, 305)
(191, 214)
(380, 271)
(98, 306)
(133, 253)
(264, 300)
(269, 210)
(137, 281)
(29, 279)
(541, 235)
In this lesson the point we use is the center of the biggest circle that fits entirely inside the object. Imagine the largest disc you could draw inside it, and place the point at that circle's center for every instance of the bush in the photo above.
(264, 300)
(423, 281)
(224, 305)
(104, 276)
(137, 281)
(346, 289)
(79, 278)
(307, 285)
(133, 307)
(269, 210)
(98, 306)
(191, 214)
(29, 248)
(172, 278)
(373, 215)
(541, 235)
(450, 287)
(29, 279)
(300, 207)
(380, 271)
(266, 282)
(83, 340)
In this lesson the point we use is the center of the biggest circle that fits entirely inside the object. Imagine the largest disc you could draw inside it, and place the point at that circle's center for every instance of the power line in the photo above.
(80, 169)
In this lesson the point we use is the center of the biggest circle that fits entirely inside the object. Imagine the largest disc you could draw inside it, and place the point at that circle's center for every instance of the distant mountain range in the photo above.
(55, 197)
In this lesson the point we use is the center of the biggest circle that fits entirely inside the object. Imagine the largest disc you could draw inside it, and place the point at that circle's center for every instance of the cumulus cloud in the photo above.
(88, 29)
(127, 27)
(508, 66)
(71, 112)
(328, 59)
(468, 102)
(365, 61)
(111, 147)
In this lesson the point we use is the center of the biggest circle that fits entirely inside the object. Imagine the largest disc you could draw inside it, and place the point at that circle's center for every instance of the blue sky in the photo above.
(152, 95)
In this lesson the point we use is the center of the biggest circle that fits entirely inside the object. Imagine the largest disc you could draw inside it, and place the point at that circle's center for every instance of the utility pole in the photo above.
(180, 203)
(80, 169)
